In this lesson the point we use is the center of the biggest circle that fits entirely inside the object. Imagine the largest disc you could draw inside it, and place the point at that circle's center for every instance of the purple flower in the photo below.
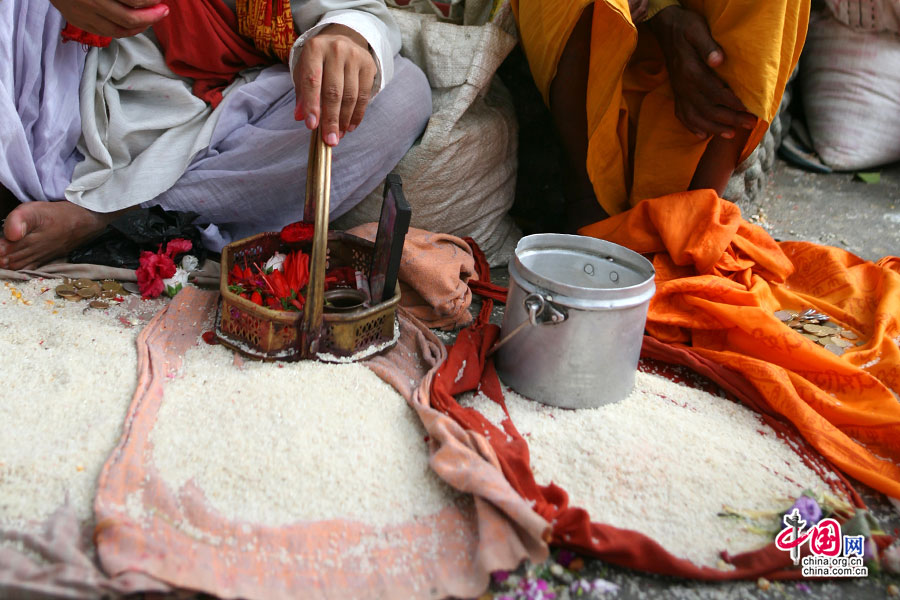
(803, 588)
(604, 587)
(809, 510)
(535, 589)
(565, 557)
(500, 576)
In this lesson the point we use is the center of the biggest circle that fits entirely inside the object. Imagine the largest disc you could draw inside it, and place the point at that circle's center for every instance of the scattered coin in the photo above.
(65, 290)
(83, 283)
(834, 349)
(819, 328)
(839, 341)
(88, 293)
(131, 288)
(99, 304)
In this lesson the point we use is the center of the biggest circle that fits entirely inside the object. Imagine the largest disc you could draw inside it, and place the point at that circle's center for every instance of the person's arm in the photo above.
(112, 18)
(654, 6)
(703, 101)
(343, 57)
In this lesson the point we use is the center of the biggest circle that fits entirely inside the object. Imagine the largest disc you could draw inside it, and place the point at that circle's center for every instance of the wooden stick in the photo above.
(320, 192)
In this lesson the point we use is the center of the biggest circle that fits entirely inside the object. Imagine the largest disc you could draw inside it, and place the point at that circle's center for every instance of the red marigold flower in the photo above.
(297, 232)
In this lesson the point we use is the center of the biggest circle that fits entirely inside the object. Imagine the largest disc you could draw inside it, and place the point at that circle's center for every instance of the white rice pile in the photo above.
(68, 375)
(279, 444)
(665, 462)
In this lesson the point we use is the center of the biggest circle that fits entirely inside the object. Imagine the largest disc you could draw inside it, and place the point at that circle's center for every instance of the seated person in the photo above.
(652, 97)
(191, 108)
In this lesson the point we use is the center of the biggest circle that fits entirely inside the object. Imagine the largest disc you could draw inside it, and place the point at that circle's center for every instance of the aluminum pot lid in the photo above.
(584, 268)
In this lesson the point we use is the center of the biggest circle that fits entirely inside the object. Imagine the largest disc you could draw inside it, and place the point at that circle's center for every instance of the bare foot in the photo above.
(37, 232)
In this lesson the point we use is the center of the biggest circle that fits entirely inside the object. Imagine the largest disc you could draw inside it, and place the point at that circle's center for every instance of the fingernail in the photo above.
(24, 229)
(701, 136)
(165, 10)
(728, 135)
(342, 134)
(331, 139)
(311, 121)
(351, 128)
(715, 57)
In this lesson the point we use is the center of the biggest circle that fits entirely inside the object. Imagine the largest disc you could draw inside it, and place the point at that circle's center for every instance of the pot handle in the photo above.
(536, 305)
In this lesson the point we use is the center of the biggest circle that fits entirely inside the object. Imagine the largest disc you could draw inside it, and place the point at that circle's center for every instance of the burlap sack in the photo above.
(867, 15)
(460, 178)
(851, 95)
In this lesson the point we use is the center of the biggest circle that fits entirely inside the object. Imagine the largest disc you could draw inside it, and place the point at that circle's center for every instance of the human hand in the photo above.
(703, 102)
(638, 10)
(112, 18)
(334, 81)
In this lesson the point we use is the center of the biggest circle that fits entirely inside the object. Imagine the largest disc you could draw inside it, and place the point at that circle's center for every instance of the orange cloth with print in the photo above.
(719, 281)
(629, 97)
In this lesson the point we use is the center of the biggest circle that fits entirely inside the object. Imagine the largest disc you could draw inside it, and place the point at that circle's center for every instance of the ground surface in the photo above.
(835, 209)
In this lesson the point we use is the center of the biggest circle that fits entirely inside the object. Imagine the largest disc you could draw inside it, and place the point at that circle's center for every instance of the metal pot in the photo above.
(574, 321)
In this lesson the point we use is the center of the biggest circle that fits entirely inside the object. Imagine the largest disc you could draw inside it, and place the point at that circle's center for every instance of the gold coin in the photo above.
(109, 285)
(829, 325)
(849, 334)
(811, 328)
(834, 349)
(83, 283)
(99, 304)
(108, 295)
(65, 290)
(823, 341)
(839, 341)
(87, 293)
(783, 316)
(810, 337)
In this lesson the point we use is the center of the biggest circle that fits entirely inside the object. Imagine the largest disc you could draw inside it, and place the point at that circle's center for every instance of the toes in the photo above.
(23, 219)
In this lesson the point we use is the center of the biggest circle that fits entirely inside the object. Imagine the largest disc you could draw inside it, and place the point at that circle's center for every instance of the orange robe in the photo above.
(629, 95)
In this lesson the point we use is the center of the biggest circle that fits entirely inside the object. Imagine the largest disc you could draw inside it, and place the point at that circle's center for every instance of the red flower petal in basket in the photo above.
(297, 232)
(298, 271)
(152, 269)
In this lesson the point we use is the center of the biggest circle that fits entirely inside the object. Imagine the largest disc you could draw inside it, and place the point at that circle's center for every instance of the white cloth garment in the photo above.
(39, 118)
(241, 167)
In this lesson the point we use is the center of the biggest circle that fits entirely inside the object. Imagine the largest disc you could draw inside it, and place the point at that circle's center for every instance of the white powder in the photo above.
(68, 375)
(664, 461)
(278, 444)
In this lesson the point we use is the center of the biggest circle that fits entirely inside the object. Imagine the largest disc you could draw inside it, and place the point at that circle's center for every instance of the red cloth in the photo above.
(199, 40)
(212, 53)
(468, 368)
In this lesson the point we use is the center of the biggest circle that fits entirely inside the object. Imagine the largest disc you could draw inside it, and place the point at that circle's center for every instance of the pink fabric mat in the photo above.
(448, 554)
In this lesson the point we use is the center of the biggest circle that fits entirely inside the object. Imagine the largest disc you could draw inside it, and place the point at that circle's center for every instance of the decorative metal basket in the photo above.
(269, 334)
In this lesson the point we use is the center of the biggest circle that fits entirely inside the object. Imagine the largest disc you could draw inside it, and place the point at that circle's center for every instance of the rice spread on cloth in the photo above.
(669, 461)
(69, 373)
(306, 441)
